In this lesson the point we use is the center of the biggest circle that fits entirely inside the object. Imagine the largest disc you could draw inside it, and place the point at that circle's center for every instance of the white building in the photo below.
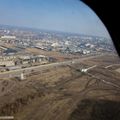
(8, 37)
(7, 63)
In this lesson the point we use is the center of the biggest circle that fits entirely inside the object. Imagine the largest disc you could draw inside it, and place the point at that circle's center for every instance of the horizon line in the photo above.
(50, 30)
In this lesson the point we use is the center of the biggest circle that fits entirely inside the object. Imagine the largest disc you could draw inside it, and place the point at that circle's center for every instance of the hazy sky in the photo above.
(62, 15)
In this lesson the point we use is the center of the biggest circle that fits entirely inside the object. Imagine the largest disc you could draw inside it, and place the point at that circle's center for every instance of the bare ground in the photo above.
(64, 93)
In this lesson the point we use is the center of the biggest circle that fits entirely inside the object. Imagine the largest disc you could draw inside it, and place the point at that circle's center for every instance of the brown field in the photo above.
(59, 56)
(118, 70)
(64, 93)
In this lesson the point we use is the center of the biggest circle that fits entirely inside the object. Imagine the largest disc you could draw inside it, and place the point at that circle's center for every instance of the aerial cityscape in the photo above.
(57, 62)
(51, 66)
(22, 48)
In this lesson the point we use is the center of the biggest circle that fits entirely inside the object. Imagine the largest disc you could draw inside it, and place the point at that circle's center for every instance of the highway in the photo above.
(17, 73)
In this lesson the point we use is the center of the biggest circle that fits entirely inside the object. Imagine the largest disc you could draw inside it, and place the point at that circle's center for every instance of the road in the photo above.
(17, 73)
(111, 65)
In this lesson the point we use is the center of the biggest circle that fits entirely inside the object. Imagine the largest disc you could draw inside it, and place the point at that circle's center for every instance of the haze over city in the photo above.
(47, 71)
(61, 15)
